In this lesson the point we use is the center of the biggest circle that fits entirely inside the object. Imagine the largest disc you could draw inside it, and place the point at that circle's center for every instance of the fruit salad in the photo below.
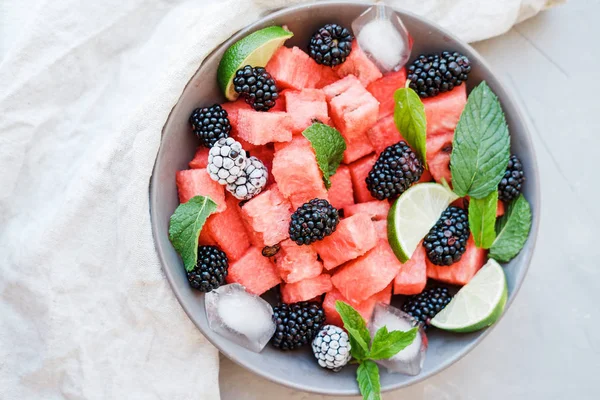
(339, 187)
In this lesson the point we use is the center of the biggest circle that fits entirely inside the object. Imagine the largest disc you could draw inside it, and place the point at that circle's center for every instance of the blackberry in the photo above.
(296, 324)
(210, 124)
(330, 45)
(424, 306)
(257, 86)
(226, 161)
(251, 182)
(446, 242)
(510, 185)
(433, 74)
(331, 347)
(210, 270)
(394, 171)
(313, 221)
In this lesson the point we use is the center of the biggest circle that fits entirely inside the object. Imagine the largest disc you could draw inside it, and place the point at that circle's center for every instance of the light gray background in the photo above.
(548, 344)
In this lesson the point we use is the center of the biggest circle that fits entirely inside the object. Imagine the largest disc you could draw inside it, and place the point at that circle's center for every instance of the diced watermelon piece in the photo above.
(328, 76)
(426, 177)
(339, 87)
(384, 133)
(359, 170)
(206, 238)
(306, 106)
(297, 173)
(500, 210)
(365, 309)
(412, 277)
(353, 237)
(268, 217)
(376, 210)
(341, 193)
(459, 273)
(200, 159)
(443, 111)
(253, 271)
(264, 127)
(439, 148)
(368, 274)
(381, 229)
(359, 65)
(306, 289)
(383, 90)
(197, 182)
(233, 108)
(294, 69)
(227, 229)
(295, 263)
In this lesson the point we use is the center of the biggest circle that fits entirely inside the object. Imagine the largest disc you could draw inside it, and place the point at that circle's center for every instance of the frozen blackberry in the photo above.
(210, 124)
(510, 186)
(256, 86)
(433, 74)
(251, 182)
(313, 221)
(331, 347)
(330, 45)
(446, 242)
(394, 171)
(226, 161)
(424, 306)
(296, 324)
(210, 270)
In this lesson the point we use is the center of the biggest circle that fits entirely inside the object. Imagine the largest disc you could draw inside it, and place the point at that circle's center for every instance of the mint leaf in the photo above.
(482, 219)
(185, 226)
(512, 230)
(357, 330)
(367, 376)
(329, 146)
(481, 145)
(409, 116)
(388, 344)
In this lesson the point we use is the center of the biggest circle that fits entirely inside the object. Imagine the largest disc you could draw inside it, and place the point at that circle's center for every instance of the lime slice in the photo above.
(477, 304)
(414, 214)
(255, 49)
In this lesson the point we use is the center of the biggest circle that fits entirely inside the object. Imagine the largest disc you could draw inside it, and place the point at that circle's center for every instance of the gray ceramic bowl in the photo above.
(299, 369)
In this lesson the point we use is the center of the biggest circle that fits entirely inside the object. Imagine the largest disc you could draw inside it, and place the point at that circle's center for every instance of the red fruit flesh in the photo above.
(459, 273)
(200, 159)
(305, 107)
(306, 289)
(383, 90)
(227, 229)
(443, 111)
(365, 309)
(260, 128)
(412, 277)
(197, 182)
(268, 217)
(295, 263)
(253, 271)
(341, 193)
(359, 170)
(359, 65)
(439, 148)
(384, 133)
(376, 210)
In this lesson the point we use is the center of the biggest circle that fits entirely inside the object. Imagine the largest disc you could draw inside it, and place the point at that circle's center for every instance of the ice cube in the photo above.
(241, 317)
(383, 37)
(410, 360)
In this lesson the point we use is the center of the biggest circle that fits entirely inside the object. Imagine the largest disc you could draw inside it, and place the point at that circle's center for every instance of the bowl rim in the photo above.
(533, 235)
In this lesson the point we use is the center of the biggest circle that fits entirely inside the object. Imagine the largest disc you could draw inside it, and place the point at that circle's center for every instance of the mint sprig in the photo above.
(482, 219)
(384, 345)
(512, 230)
(409, 117)
(329, 146)
(185, 226)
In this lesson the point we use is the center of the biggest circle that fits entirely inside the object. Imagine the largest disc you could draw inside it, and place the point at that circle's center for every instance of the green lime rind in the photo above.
(393, 235)
(255, 49)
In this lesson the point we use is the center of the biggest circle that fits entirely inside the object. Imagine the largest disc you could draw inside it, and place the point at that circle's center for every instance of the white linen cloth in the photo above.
(85, 88)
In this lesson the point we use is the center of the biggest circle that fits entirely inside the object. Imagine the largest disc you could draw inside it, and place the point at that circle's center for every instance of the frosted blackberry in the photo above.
(296, 324)
(251, 182)
(210, 270)
(511, 184)
(330, 45)
(313, 221)
(226, 161)
(256, 86)
(426, 305)
(331, 347)
(446, 242)
(394, 171)
(210, 124)
(433, 74)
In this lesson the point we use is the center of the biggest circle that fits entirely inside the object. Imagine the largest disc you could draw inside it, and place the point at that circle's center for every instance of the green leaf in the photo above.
(367, 376)
(512, 230)
(409, 116)
(329, 146)
(185, 226)
(482, 219)
(357, 329)
(481, 146)
(388, 344)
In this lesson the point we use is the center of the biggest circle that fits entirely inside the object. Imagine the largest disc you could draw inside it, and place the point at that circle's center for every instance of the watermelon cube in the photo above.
(267, 216)
(200, 159)
(327, 77)
(384, 133)
(306, 106)
(461, 272)
(353, 237)
(206, 238)
(365, 308)
(368, 274)
(412, 277)
(297, 173)
(197, 182)
(376, 210)
(264, 127)
(359, 65)
(439, 148)
(306, 289)
(339, 87)
(227, 229)
(295, 263)
(233, 108)
(381, 229)
(341, 193)
(359, 170)
(294, 69)
(443, 111)
(383, 90)
(426, 177)
(253, 271)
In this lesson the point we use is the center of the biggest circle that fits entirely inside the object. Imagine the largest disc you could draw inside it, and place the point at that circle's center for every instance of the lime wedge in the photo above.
(255, 49)
(478, 304)
(414, 214)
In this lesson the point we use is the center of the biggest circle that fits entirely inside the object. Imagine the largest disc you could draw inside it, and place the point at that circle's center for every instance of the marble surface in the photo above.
(548, 344)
